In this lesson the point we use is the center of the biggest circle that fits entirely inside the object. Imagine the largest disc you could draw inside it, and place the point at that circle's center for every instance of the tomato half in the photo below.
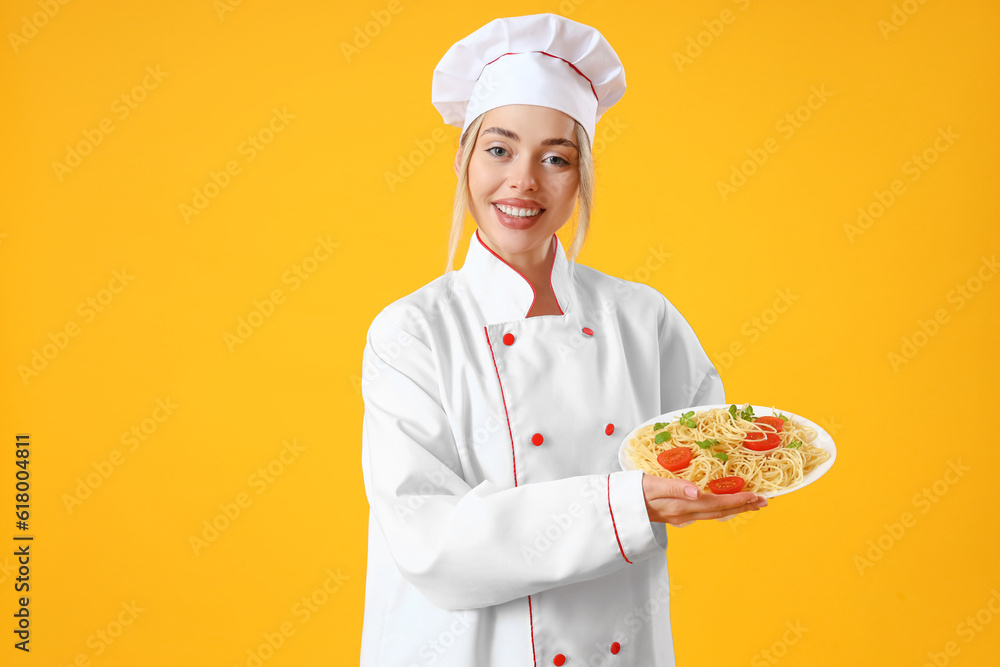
(760, 442)
(675, 458)
(726, 485)
(776, 422)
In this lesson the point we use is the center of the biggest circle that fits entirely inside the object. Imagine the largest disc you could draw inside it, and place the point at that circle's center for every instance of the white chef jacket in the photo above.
(502, 531)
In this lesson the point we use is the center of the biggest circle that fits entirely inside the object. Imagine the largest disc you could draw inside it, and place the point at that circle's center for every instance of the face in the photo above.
(525, 160)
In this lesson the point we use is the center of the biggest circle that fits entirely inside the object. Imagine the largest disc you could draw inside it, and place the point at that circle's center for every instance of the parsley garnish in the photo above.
(705, 444)
(662, 437)
(687, 419)
(658, 425)
(745, 414)
(794, 443)
(721, 456)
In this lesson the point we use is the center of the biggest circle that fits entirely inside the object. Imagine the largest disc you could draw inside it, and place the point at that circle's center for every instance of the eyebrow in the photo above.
(513, 137)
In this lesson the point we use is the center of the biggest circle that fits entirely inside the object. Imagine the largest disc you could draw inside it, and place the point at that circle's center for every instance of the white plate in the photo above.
(823, 440)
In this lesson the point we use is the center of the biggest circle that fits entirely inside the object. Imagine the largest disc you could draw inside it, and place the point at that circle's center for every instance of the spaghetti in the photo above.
(718, 440)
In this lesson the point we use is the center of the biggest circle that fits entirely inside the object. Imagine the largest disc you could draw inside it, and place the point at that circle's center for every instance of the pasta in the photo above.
(717, 439)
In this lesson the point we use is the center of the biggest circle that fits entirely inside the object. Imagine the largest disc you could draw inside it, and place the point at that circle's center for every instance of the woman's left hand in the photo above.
(679, 502)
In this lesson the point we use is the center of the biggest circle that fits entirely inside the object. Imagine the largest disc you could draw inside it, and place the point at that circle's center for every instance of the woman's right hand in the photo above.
(678, 502)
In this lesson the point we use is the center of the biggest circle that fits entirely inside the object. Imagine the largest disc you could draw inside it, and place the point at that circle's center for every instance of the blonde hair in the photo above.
(585, 199)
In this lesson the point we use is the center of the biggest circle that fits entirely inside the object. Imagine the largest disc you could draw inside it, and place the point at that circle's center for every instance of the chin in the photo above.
(516, 241)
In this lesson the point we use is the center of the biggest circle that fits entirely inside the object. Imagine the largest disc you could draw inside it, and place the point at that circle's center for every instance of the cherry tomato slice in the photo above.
(776, 422)
(675, 458)
(726, 485)
(757, 443)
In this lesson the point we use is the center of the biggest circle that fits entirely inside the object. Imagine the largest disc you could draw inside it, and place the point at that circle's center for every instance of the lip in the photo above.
(511, 222)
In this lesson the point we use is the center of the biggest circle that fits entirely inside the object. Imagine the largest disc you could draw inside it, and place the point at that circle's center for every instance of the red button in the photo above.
(559, 659)
(508, 339)
(609, 429)
(615, 648)
(537, 439)
(588, 331)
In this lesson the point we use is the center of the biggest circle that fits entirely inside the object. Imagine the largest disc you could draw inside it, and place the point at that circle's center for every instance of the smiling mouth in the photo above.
(516, 212)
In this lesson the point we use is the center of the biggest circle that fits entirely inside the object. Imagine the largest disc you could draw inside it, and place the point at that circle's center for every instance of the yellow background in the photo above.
(896, 74)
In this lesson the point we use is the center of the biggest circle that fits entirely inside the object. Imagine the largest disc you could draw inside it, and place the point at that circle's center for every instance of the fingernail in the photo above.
(691, 492)
(763, 503)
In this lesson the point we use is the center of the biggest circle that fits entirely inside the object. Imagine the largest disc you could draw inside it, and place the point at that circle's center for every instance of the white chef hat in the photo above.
(542, 59)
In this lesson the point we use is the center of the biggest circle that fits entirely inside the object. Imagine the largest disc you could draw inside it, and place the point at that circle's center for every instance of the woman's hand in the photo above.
(679, 502)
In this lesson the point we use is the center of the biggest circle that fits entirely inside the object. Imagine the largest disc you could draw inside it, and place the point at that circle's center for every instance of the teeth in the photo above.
(519, 212)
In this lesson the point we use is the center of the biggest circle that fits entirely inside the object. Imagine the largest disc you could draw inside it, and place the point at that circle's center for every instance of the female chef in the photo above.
(502, 531)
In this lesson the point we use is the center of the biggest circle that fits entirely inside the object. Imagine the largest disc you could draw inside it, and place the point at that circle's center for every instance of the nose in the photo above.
(522, 175)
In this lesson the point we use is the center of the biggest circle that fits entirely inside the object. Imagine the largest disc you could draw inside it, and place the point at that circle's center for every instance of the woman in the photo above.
(502, 531)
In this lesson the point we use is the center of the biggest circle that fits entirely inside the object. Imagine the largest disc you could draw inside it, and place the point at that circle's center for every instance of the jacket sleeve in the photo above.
(687, 376)
(468, 546)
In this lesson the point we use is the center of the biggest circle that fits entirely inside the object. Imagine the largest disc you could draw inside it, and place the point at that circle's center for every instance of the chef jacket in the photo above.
(502, 531)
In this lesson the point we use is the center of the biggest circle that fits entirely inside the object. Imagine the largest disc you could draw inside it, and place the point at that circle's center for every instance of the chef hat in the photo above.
(542, 59)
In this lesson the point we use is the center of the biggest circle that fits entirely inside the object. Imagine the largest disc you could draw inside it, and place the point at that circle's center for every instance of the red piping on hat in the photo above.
(533, 296)
(552, 56)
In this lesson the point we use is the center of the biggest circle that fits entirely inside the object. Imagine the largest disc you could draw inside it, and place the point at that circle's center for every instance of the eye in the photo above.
(495, 148)
(562, 161)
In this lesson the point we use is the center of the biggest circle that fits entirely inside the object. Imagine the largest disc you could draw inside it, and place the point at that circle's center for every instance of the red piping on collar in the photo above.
(533, 295)
(551, 56)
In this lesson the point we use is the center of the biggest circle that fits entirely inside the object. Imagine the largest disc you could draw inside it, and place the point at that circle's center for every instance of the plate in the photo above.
(823, 440)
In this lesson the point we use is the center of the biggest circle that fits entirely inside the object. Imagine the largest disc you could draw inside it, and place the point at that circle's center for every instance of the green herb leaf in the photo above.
(705, 444)
(687, 419)
(658, 425)
(662, 437)
(732, 411)
(747, 413)
(782, 417)
(721, 456)
(794, 443)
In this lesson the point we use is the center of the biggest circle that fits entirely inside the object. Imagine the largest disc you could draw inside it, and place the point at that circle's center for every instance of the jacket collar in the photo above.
(502, 292)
